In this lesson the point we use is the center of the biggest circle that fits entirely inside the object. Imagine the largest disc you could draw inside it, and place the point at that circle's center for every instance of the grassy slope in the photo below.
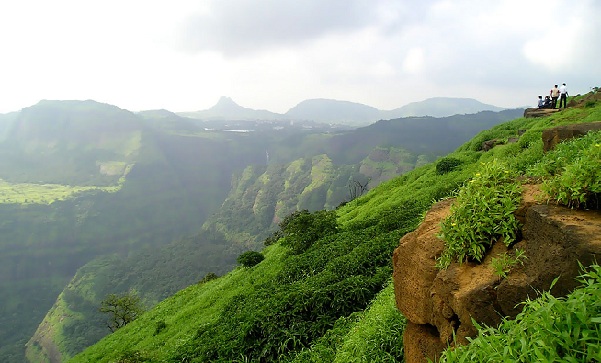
(183, 313)
(350, 337)
(315, 179)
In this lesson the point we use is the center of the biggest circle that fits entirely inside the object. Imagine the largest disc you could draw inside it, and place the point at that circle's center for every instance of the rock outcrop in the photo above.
(539, 112)
(440, 304)
(555, 135)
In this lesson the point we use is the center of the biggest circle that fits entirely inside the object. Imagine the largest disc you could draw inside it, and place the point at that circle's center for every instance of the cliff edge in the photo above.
(440, 304)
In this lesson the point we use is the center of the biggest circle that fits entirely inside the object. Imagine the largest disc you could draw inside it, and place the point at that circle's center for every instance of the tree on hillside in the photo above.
(302, 228)
(250, 258)
(122, 309)
(357, 188)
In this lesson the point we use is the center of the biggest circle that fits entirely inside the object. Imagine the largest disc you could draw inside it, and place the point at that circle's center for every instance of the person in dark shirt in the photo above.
(548, 102)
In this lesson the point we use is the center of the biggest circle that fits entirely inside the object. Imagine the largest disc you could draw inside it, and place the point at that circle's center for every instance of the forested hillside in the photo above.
(323, 291)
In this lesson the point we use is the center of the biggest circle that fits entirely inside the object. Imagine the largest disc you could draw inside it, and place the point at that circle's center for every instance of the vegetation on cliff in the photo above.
(482, 213)
(549, 329)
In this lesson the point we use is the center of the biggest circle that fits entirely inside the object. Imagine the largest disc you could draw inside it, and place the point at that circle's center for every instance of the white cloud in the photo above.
(273, 54)
(239, 27)
(414, 61)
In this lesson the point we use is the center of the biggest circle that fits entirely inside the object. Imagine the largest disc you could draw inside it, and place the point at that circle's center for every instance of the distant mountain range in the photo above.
(343, 112)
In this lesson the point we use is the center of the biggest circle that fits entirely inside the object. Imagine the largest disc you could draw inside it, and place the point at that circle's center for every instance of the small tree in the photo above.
(122, 309)
(208, 277)
(356, 188)
(446, 165)
(301, 229)
(250, 258)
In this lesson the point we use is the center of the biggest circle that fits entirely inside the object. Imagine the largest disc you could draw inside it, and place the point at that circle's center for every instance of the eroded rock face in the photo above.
(554, 136)
(441, 304)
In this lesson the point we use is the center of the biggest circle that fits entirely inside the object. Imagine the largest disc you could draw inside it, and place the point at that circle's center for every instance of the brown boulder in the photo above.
(555, 135)
(441, 304)
(489, 144)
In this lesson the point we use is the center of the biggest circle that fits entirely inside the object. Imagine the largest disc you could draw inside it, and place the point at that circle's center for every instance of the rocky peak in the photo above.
(226, 104)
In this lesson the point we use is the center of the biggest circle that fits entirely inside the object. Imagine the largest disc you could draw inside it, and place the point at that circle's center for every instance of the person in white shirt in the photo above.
(541, 103)
(563, 91)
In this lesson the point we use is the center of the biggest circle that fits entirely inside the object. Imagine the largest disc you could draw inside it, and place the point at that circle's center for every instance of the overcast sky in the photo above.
(272, 54)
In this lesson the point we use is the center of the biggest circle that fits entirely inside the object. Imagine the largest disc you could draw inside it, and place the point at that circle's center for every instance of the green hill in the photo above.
(71, 142)
(443, 106)
(322, 294)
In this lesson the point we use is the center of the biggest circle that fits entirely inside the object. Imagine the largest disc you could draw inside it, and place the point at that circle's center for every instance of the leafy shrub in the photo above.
(531, 153)
(446, 165)
(481, 214)
(580, 183)
(210, 276)
(338, 275)
(273, 238)
(503, 264)
(549, 329)
(574, 168)
(250, 258)
(301, 229)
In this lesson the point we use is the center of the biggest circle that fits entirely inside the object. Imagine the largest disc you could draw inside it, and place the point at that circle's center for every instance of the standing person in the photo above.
(563, 91)
(554, 93)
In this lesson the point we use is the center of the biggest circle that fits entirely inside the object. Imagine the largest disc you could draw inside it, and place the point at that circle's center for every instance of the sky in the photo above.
(184, 55)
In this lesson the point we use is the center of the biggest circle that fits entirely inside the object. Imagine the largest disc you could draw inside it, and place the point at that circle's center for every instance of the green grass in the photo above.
(374, 335)
(572, 172)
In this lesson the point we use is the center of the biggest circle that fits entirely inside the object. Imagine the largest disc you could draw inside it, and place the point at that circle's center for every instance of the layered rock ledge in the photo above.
(440, 304)
(539, 112)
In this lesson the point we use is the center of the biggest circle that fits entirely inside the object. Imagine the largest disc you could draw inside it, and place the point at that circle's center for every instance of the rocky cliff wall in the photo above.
(440, 304)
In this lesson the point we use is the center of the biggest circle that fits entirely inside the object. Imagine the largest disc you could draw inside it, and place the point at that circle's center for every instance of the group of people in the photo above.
(556, 93)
